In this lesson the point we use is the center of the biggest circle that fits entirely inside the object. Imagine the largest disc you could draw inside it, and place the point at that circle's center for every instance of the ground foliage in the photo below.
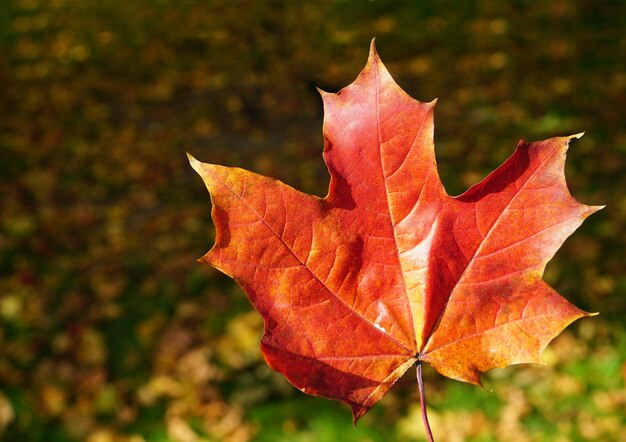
(109, 329)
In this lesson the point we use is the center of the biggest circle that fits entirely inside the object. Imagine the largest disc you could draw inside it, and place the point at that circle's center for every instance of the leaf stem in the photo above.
(420, 384)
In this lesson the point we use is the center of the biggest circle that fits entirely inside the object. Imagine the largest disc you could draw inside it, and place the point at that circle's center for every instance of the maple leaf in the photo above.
(388, 270)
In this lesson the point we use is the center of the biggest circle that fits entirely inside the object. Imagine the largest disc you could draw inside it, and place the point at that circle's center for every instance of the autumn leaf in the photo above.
(388, 270)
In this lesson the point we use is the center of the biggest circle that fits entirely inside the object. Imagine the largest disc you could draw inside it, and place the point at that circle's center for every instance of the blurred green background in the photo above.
(109, 328)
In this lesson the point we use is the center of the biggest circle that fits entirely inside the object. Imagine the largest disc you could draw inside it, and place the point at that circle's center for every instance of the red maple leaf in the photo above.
(388, 270)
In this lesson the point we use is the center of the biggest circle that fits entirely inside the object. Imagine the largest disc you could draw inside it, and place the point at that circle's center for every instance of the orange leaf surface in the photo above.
(388, 270)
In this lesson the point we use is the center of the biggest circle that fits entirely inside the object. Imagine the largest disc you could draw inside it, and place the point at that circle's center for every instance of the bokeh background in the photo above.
(109, 328)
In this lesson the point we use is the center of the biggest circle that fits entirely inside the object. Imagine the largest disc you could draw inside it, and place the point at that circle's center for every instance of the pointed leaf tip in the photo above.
(357, 415)
(194, 163)
(572, 137)
(321, 91)
(373, 55)
(569, 138)
(594, 209)
(576, 136)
